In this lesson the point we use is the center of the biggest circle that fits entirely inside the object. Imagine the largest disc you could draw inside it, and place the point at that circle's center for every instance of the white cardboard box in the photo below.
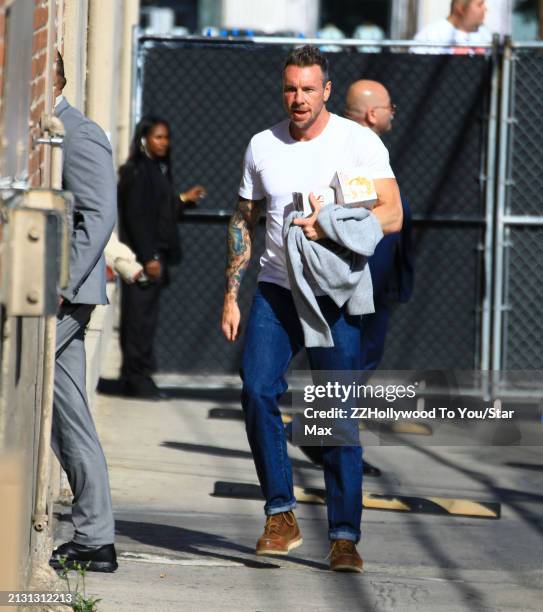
(354, 189)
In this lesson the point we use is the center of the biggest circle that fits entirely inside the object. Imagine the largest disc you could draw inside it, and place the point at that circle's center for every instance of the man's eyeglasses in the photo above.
(391, 107)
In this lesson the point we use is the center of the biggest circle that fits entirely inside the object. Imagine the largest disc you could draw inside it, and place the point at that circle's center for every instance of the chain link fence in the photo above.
(216, 95)
(518, 326)
(526, 133)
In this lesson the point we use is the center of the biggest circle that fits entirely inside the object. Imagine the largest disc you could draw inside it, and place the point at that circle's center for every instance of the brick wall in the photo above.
(37, 84)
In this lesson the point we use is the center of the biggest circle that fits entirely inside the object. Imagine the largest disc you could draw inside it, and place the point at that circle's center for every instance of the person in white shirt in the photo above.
(301, 153)
(464, 25)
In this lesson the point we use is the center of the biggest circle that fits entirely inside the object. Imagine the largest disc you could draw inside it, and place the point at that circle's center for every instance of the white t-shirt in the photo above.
(276, 165)
(444, 32)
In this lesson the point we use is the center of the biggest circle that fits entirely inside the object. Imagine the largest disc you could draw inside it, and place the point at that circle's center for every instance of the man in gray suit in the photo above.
(88, 173)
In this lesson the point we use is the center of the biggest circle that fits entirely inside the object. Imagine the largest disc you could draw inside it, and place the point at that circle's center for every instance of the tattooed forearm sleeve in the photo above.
(240, 237)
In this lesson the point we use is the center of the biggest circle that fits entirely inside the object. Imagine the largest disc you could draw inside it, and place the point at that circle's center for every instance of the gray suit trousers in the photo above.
(74, 439)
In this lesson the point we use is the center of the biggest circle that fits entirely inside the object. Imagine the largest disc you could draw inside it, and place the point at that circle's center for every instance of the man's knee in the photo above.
(257, 389)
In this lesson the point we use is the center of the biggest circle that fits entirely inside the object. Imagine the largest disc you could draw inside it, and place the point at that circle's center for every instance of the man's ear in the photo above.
(371, 117)
(327, 90)
(459, 10)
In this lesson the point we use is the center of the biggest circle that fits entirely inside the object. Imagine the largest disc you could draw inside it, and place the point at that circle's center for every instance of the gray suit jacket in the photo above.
(88, 173)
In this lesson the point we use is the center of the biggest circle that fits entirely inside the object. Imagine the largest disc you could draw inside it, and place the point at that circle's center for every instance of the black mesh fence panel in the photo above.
(523, 325)
(527, 134)
(216, 96)
(438, 327)
(189, 336)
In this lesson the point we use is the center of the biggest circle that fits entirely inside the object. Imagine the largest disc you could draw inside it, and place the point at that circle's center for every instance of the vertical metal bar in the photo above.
(503, 170)
(39, 516)
(136, 85)
(491, 145)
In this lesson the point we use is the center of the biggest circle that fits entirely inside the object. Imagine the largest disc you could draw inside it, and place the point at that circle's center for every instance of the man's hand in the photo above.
(193, 194)
(153, 269)
(310, 225)
(136, 276)
(231, 318)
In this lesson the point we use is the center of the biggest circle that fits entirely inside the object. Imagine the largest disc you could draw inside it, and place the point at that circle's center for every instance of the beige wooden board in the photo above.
(454, 506)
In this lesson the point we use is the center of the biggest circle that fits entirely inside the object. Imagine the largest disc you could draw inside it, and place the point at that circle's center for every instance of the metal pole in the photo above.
(136, 76)
(503, 169)
(286, 41)
(489, 210)
(40, 516)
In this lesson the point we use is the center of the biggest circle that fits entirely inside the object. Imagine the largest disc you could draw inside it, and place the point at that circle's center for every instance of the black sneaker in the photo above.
(92, 558)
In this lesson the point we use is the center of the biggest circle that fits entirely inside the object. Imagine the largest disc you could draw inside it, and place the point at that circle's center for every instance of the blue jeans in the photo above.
(272, 338)
(374, 330)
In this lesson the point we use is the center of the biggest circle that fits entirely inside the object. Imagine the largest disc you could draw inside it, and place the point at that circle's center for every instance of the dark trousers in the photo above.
(139, 318)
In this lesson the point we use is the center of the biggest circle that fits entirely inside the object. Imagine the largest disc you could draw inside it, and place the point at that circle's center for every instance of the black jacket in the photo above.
(149, 210)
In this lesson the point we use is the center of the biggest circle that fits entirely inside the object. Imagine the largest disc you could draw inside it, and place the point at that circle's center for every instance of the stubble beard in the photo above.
(307, 123)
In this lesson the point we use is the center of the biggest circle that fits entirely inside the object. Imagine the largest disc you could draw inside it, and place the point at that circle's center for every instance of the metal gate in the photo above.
(518, 325)
(217, 93)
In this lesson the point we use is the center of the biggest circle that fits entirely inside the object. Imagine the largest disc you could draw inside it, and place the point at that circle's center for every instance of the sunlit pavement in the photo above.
(183, 548)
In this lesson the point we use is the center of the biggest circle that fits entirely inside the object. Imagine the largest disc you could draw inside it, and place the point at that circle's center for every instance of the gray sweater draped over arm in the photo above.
(337, 265)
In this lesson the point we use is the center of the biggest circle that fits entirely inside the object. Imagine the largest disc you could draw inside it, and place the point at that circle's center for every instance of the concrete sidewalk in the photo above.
(183, 548)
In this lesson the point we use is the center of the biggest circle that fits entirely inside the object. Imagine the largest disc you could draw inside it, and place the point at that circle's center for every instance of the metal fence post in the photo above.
(502, 193)
(491, 144)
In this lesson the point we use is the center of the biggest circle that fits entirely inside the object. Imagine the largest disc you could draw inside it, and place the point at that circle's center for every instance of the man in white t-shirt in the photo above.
(301, 153)
(464, 25)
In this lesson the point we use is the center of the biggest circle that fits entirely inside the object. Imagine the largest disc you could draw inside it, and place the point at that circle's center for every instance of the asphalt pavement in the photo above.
(188, 517)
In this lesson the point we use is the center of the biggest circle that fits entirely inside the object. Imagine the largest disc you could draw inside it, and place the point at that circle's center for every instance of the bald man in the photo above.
(368, 103)
(391, 266)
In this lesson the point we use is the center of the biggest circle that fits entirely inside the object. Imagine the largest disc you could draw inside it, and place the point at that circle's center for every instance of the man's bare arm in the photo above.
(241, 229)
(388, 209)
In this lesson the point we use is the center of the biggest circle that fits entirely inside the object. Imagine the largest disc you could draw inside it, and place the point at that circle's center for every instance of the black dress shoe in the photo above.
(92, 558)
(146, 390)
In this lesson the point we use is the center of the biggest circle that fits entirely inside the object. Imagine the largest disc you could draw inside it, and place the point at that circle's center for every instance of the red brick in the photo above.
(36, 111)
(38, 89)
(41, 15)
(39, 41)
(38, 65)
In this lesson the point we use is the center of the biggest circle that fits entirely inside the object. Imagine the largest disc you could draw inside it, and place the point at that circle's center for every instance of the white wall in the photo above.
(272, 15)
(499, 16)
(432, 10)
(75, 50)
(103, 64)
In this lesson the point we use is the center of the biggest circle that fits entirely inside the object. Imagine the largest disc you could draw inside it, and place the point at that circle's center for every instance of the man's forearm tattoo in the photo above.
(240, 237)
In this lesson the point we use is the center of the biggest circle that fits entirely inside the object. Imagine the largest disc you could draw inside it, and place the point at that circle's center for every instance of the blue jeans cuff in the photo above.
(344, 534)
(277, 509)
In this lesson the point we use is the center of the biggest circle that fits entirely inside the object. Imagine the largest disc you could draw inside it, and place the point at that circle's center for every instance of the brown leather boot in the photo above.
(281, 534)
(344, 557)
